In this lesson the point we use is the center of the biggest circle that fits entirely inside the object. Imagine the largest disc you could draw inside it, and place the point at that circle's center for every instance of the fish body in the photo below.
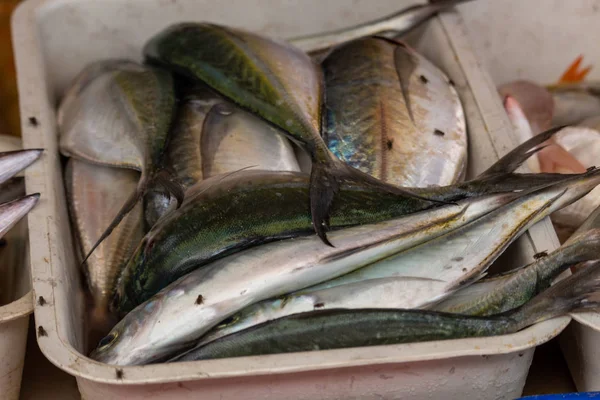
(272, 79)
(398, 23)
(13, 211)
(12, 162)
(340, 328)
(118, 114)
(574, 102)
(93, 201)
(394, 115)
(424, 274)
(182, 312)
(536, 102)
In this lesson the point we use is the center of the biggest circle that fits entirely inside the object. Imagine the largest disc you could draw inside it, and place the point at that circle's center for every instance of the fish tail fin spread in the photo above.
(325, 180)
(578, 292)
(129, 204)
(514, 159)
(574, 74)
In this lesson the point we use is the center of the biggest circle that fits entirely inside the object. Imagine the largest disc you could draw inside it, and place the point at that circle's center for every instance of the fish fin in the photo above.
(168, 181)
(18, 160)
(325, 180)
(129, 204)
(578, 292)
(13, 211)
(405, 64)
(573, 74)
(515, 158)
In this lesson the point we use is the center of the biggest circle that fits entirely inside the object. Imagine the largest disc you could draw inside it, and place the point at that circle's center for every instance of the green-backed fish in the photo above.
(118, 114)
(181, 313)
(223, 215)
(275, 81)
(423, 274)
(12, 162)
(394, 115)
(339, 328)
(95, 193)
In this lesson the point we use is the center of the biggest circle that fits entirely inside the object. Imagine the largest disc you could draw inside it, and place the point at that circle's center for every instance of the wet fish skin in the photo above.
(12, 162)
(399, 23)
(13, 211)
(119, 116)
(393, 114)
(575, 102)
(427, 273)
(183, 311)
(339, 328)
(93, 201)
(510, 290)
(275, 81)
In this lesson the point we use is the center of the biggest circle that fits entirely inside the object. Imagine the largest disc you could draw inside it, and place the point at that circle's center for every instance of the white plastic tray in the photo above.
(14, 316)
(537, 41)
(53, 40)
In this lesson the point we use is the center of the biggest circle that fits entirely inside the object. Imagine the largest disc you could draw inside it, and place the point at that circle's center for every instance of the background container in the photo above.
(53, 40)
(14, 313)
(538, 41)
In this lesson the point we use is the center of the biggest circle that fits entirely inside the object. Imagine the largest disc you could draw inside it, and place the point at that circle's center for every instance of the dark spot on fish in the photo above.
(521, 354)
(464, 270)
(457, 259)
(33, 121)
(437, 132)
(423, 79)
(42, 331)
(447, 266)
(119, 373)
(41, 301)
(389, 144)
(319, 305)
(385, 377)
(539, 255)
(3, 243)
(243, 292)
(452, 370)
(451, 82)
(199, 300)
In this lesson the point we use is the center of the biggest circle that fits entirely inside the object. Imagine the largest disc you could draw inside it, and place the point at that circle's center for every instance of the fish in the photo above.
(340, 328)
(424, 274)
(118, 114)
(186, 309)
(13, 211)
(204, 228)
(12, 162)
(275, 81)
(397, 24)
(574, 102)
(394, 115)
(536, 102)
(512, 289)
(13, 245)
(93, 201)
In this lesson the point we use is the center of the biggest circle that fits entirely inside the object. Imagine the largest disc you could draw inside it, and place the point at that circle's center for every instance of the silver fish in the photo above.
(12, 162)
(398, 23)
(95, 194)
(423, 274)
(574, 102)
(13, 211)
(182, 312)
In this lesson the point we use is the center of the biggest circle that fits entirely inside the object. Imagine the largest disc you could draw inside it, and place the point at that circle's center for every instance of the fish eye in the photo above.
(108, 340)
(229, 321)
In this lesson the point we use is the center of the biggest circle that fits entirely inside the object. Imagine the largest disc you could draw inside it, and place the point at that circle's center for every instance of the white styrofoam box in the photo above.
(537, 41)
(54, 40)
(14, 316)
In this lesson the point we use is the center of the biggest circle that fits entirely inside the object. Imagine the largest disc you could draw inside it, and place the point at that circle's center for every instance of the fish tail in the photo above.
(13, 211)
(129, 204)
(325, 180)
(514, 159)
(578, 292)
(15, 161)
(574, 74)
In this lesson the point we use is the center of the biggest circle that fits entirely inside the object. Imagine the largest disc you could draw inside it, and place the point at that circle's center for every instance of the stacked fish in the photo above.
(14, 205)
(533, 109)
(276, 196)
